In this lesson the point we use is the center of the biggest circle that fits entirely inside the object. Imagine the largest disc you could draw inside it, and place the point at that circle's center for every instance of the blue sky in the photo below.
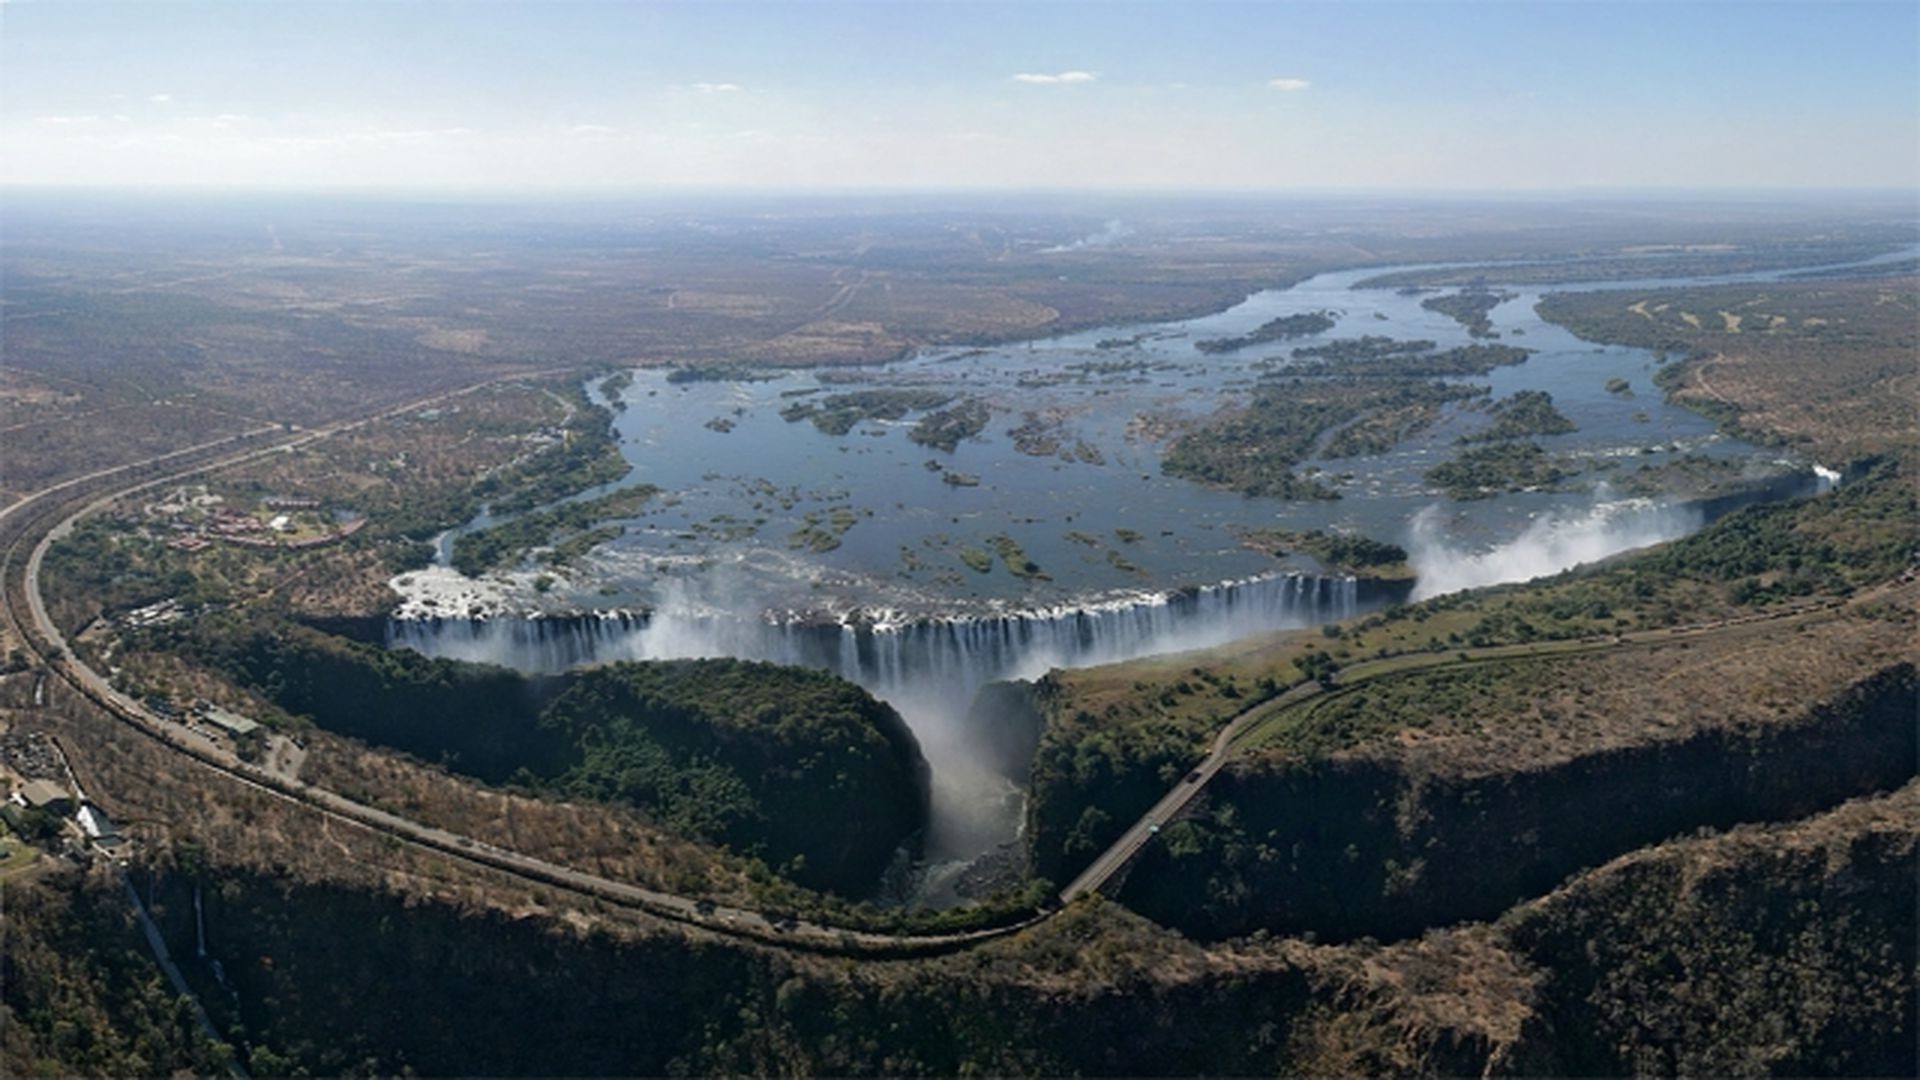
(632, 97)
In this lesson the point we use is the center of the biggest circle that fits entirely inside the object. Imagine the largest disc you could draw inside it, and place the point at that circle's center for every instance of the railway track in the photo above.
(33, 523)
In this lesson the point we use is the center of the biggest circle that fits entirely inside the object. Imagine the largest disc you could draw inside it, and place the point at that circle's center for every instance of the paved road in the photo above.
(47, 640)
(50, 644)
(1101, 872)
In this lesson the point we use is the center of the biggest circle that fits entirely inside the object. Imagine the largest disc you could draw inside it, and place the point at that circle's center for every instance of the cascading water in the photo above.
(928, 669)
(957, 654)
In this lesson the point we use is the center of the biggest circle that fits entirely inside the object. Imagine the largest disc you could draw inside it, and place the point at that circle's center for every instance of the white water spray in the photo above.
(927, 669)
(1550, 544)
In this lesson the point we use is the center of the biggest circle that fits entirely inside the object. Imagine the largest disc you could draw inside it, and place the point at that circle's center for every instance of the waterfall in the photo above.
(928, 668)
(956, 655)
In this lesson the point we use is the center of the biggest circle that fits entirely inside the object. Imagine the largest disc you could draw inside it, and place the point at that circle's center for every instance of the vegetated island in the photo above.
(1484, 471)
(1287, 326)
(694, 373)
(1340, 553)
(1253, 449)
(836, 414)
(1386, 358)
(946, 428)
(570, 530)
(1525, 413)
(1015, 558)
(1469, 308)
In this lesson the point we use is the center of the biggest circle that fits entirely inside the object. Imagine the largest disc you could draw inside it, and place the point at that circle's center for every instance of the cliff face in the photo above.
(794, 766)
(1386, 845)
(1783, 950)
(339, 979)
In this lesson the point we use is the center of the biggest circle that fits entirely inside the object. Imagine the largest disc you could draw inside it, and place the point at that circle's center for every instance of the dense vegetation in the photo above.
(1371, 844)
(79, 994)
(1525, 413)
(588, 455)
(693, 373)
(1470, 308)
(1254, 449)
(1778, 949)
(1365, 349)
(944, 429)
(836, 414)
(1341, 553)
(1787, 951)
(1280, 329)
(1485, 471)
(477, 552)
(1385, 358)
(1099, 768)
(796, 767)
(1095, 773)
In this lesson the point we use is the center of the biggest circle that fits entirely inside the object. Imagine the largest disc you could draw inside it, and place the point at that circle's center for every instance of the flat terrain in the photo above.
(1825, 365)
(1771, 936)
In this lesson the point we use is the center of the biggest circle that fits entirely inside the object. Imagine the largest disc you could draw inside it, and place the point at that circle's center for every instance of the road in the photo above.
(43, 518)
(1102, 870)
(30, 519)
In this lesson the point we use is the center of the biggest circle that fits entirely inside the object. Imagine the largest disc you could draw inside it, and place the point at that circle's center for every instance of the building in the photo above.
(45, 795)
(232, 722)
(97, 825)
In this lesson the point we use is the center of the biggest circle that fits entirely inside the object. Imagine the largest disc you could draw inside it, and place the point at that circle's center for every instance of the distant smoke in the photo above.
(1111, 233)
(1549, 545)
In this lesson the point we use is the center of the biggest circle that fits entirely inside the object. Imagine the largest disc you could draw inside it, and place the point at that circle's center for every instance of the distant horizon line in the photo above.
(721, 192)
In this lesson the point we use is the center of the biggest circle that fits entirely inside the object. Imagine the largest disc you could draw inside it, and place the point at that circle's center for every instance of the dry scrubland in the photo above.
(1780, 947)
(1823, 365)
(1556, 985)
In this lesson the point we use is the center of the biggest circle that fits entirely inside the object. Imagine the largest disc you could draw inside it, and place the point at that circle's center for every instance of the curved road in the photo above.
(41, 635)
(1102, 870)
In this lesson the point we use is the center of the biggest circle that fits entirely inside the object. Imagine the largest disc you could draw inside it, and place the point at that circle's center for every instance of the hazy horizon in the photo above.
(624, 100)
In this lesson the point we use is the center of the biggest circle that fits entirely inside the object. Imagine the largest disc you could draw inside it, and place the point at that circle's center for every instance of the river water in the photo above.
(1130, 562)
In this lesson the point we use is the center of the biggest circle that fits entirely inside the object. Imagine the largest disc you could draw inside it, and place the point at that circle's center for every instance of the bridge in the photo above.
(35, 522)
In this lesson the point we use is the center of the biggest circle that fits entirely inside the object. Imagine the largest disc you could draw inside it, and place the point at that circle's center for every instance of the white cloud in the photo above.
(65, 121)
(588, 130)
(1063, 77)
(1289, 85)
(716, 88)
(160, 99)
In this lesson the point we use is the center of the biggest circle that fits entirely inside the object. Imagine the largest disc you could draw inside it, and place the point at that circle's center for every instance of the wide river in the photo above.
(1097, 516)
(731, 559)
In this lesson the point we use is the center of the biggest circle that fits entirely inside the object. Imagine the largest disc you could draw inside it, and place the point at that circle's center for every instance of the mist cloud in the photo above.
(1549, 545)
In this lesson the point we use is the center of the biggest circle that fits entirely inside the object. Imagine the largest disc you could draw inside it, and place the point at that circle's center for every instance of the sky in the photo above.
(613, 98)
